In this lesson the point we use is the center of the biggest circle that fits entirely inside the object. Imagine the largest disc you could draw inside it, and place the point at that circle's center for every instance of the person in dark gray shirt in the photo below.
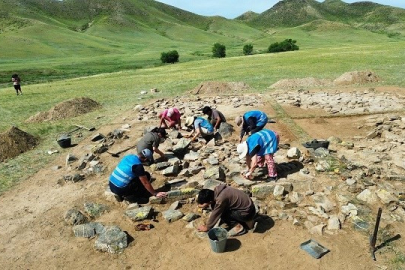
(151, 141)
(214, 116)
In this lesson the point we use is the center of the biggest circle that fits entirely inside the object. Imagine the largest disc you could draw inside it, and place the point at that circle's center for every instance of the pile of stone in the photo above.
(322, 190)
(359, 102)
(109, 238)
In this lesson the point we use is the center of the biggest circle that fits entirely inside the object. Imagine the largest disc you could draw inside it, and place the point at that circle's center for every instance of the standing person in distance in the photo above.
(251, 122)
(17, 83)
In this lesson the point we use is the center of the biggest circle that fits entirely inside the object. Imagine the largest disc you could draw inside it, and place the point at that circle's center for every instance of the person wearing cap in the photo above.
(172, 116)
(214, 116)
(231, 205)
(200, 126)
(129, 178)
(259, 149)
(151, 141)
(252, 122)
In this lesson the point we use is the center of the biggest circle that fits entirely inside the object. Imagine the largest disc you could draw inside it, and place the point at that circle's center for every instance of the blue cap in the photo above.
(148, 154)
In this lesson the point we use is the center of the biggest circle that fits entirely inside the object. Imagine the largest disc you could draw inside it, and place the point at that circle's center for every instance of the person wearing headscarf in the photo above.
(170, 118)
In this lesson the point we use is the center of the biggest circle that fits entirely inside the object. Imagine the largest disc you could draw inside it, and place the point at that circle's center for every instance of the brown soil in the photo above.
(67, 109)
(218, 88)
(14, 142)
(34, 236)
(357, 77)
(348, 78)
(298, 83)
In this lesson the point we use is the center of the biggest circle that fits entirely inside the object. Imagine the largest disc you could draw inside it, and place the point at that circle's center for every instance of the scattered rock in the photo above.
(112, 240)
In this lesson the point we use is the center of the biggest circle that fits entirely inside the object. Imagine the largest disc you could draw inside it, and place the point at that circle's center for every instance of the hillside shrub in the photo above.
(284, 46)
(170, 57)
(248, 49)
(218, 50)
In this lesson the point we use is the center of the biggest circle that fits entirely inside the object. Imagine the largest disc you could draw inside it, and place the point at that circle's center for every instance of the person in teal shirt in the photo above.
(259, 149)
(201, 127)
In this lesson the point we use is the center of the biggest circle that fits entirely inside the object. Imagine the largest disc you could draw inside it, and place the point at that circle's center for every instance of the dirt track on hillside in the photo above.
(33, 234)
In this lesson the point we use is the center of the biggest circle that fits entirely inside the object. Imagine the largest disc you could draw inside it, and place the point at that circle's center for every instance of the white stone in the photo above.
(294, 153)
(367, 196)
(333, 223)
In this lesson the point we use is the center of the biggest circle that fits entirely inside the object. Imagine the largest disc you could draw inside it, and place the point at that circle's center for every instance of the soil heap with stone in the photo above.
(14, 142)
(66, 109)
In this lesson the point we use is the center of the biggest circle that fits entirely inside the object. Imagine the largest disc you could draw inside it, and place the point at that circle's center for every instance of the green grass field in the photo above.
(120, 91)
(115, 59)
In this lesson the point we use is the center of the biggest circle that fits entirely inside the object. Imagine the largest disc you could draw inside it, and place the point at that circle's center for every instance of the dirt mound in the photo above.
(348, 78)
(217, 88)
(299, 83)
(14, 142)
(356, 77)
(66, 109)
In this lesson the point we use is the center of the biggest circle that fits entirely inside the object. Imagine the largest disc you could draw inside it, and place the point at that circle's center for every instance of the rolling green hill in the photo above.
(368, 15)
(50, 39)
(56, 45)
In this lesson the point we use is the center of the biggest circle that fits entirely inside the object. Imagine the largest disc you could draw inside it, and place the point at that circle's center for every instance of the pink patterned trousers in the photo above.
(269, 160)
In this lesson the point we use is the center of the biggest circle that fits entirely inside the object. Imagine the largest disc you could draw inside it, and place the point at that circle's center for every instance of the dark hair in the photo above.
(161, 131)
(205, 196)
(206, 110)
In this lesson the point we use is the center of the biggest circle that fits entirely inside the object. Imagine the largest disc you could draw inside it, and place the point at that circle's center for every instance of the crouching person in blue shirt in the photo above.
(129, 179)
(252, 121)
(201, 127)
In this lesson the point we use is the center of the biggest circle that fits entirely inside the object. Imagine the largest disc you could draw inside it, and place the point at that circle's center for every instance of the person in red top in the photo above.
(172, 116)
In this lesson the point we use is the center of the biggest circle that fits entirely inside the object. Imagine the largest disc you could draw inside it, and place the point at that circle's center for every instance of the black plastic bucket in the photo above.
(64, 141)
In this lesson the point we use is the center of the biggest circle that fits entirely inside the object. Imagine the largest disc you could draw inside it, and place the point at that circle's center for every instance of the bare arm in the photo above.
(148, 186)
(157, 151)
(162, 121)
(217, 123)
(197, 133)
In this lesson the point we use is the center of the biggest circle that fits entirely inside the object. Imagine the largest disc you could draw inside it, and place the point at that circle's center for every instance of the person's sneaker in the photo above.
(273, 178)
(237, 230)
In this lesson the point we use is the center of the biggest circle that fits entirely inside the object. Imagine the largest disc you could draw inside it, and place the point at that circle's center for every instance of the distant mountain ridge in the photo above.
(129, 34)
(291, 13)
(80, 14)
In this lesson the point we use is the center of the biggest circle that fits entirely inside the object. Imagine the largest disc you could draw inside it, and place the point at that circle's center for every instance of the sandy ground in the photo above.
(33, 234)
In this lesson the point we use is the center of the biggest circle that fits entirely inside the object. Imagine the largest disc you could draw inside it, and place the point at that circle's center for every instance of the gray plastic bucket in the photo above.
(218, 238)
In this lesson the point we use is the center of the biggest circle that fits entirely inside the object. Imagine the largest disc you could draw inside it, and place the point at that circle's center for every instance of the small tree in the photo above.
(248, 49)
(284, 46)
(218, 50)
(170, 57)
